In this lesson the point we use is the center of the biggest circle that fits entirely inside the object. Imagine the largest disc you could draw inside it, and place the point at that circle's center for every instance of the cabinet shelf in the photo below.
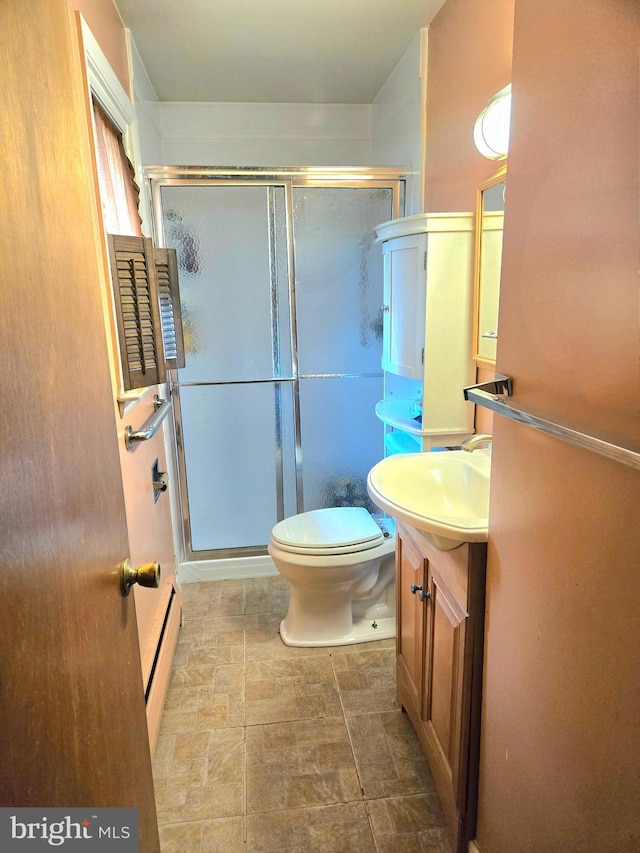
(401, 414)
(401, 442)
(411, 436)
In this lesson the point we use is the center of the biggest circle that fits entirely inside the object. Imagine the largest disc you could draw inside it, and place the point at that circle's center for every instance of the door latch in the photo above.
(160, 480)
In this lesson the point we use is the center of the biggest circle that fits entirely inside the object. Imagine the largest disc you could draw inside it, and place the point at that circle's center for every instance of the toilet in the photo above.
(340, 564)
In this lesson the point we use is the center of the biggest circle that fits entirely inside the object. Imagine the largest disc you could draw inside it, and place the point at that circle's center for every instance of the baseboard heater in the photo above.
(160, 672)
(163, 631)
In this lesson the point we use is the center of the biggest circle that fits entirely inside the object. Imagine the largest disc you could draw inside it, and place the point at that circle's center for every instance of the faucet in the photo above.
(475, 441)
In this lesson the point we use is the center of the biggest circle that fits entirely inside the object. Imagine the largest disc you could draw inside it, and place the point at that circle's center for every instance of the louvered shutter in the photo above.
(170, 313)
(135, 285)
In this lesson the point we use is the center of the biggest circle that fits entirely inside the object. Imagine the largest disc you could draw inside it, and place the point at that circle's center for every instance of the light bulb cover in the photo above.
(491, 129)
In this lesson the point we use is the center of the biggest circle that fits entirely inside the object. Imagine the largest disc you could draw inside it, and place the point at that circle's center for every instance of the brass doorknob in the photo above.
(147, 575)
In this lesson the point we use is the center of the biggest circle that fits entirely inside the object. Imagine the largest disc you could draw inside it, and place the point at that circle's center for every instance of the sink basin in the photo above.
(444, 494)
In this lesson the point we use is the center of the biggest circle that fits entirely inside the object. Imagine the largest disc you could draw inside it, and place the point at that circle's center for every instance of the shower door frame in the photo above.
(288, 179)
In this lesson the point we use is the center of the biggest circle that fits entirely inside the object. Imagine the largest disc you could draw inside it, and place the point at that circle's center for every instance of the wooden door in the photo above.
(72, 720)
(410, 581)
(444, 696)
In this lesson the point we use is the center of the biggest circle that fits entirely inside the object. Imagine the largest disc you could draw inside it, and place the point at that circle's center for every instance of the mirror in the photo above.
(488, 263)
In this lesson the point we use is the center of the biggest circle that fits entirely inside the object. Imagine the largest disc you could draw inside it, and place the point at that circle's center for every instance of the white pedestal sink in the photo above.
(444, 494)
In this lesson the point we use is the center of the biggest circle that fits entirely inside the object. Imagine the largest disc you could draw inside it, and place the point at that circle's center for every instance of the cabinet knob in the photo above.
(421, 593)
(384, 308)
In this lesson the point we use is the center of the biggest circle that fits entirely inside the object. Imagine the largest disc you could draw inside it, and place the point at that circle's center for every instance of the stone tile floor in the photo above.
(263, 747)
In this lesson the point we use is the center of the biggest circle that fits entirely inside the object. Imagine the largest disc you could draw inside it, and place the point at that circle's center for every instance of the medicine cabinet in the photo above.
(427, 330)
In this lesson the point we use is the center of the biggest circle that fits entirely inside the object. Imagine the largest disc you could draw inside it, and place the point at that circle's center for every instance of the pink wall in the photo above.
(560, 737)
(470, 46)
(560, 740)
(103, 19)
(571, 243)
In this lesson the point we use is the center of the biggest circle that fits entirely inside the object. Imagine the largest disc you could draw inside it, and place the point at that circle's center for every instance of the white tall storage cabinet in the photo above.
(427, 330)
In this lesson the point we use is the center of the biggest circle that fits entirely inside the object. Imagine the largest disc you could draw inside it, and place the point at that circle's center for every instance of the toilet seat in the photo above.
(324, 532)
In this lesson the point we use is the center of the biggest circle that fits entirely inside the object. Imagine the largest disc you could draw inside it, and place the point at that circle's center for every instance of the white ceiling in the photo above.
(273, 51)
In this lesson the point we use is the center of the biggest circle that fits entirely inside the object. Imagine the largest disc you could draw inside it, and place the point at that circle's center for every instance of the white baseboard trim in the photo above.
(473, 847)
(238, 568)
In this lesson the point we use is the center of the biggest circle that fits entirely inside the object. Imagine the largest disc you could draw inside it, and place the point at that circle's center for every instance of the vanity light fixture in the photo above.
(491, 130)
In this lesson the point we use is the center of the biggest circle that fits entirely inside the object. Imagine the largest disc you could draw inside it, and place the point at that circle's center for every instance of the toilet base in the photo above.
(361, 632)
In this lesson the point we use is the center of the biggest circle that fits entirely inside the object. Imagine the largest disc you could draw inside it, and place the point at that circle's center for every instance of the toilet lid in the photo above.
(335, 530)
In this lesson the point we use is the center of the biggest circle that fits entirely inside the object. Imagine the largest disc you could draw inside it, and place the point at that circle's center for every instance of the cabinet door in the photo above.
(404, 305)
(410, 618)
(445, 704)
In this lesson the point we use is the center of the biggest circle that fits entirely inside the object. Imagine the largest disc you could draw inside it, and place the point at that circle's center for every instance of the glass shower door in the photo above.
(339, 320)
(235, 396)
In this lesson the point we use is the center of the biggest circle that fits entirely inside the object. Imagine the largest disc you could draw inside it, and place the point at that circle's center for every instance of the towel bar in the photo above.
(489, 395)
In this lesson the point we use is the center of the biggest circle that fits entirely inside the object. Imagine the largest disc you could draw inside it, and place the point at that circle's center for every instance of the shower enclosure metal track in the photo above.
(286, 179)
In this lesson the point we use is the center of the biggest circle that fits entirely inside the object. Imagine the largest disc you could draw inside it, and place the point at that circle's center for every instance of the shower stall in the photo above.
(281, 293)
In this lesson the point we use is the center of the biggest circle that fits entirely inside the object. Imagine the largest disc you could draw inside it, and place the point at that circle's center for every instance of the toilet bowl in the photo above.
(340, 565)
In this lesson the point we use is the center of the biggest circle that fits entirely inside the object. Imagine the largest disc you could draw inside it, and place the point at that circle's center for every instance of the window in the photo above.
(119, 193)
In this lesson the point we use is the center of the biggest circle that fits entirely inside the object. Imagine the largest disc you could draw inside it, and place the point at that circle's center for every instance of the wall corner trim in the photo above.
(104, 82)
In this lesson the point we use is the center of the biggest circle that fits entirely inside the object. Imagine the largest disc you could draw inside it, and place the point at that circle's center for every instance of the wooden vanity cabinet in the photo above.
(440, 619)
